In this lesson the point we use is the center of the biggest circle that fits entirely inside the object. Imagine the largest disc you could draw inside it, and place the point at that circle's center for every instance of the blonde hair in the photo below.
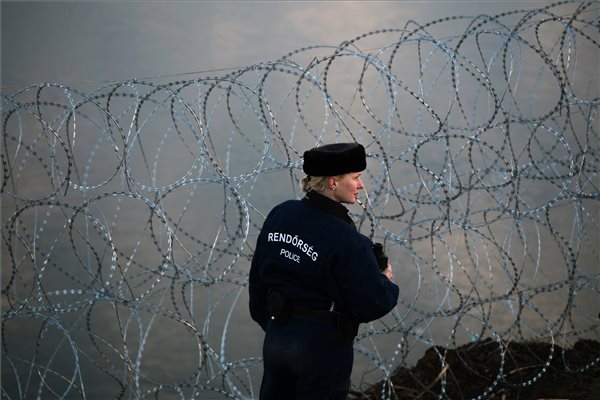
(316, 183)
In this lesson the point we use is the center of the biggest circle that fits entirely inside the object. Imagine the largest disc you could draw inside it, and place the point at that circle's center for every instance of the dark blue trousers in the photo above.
(304, 360)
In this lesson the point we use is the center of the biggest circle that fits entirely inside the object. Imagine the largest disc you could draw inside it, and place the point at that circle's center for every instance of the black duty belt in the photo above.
(316, 315)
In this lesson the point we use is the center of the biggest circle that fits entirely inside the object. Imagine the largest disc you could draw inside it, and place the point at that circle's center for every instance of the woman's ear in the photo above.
(331, 183)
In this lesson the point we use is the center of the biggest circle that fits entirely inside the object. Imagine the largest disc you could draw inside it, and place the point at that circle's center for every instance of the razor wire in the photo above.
(130, 210)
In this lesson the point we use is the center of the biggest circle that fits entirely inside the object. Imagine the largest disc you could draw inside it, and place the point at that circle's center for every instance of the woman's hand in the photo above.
(388, 272)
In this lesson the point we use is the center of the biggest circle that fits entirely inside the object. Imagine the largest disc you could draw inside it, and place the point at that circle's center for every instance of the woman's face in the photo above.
(346, 187)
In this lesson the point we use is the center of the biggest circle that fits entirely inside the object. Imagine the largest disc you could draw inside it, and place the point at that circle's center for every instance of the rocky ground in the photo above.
(473, 371)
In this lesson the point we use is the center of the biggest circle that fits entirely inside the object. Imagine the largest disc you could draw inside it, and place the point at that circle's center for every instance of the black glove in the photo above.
(382, 259)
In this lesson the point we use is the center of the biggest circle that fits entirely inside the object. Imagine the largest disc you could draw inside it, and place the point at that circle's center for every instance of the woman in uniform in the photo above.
(314, 278)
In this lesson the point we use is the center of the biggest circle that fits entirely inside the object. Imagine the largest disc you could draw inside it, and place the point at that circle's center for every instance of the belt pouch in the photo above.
(347, 328)
(278, 307)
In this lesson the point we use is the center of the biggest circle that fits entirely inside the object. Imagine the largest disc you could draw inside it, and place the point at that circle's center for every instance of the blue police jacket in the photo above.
(311, 252)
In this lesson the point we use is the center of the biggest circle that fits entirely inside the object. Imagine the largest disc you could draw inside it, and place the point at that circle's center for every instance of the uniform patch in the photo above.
(295, 241)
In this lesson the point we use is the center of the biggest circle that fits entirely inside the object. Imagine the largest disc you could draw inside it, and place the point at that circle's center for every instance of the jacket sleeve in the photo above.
(257, 291)
(368, 293)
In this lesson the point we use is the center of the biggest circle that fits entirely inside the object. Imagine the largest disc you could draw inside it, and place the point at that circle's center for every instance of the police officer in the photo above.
(314, 278)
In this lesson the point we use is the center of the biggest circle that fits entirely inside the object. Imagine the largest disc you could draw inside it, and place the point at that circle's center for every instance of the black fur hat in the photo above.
(335, 159)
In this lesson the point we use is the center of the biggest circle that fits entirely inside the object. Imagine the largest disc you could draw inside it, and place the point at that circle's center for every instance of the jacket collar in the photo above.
(325, 204)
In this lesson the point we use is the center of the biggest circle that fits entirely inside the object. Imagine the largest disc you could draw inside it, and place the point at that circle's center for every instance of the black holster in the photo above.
(278, 307)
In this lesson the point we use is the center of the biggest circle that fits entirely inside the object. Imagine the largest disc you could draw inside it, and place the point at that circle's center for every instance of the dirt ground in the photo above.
(531, 370)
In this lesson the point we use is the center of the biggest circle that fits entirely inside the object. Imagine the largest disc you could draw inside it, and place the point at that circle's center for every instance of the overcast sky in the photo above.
(70, 42)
